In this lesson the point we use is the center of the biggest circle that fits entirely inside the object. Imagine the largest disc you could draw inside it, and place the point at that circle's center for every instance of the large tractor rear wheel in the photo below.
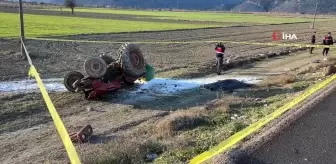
(132, 60)
(70, 79)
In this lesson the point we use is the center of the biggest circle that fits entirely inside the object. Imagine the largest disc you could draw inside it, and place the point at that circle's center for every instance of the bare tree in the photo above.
(71, 4)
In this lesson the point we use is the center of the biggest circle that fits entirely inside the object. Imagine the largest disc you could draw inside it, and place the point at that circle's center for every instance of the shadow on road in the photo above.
(246, 159)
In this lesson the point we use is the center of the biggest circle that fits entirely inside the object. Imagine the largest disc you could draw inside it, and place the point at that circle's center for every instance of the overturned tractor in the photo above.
(106, 74)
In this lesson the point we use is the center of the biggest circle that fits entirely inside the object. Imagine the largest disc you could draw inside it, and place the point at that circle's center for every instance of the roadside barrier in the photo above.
(189, 42)
(73, 156)
(234, 139)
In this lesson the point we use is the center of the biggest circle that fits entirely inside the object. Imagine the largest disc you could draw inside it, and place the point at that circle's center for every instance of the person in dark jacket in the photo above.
(220, 49)
(313, 40)
(328, 40)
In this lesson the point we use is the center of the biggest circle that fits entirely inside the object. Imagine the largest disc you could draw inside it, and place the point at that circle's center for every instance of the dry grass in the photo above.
(181, 120)
(310, 69)
(279, 80)
(330, 61)
(329, 70)
(123, 151)
(326, 66)
(219, 105)
(191, 118)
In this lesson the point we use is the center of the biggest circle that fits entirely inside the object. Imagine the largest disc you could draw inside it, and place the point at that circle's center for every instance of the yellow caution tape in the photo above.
(189, 42)
(73, 156)
(56, 118)
(231, 141)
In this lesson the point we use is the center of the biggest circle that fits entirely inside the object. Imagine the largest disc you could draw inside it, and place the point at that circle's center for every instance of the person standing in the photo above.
(313, 40)
(328, 40)
(220, 49)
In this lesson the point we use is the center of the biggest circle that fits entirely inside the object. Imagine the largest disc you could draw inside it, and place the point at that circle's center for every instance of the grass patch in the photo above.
(254, 113)
(181, 120)
(198, 16)
(124, 151)
(326, 66)
(302, 85)
(189, 119)
(310, 69)
(278, 80)
(331, 61)
(40, 25)
(200, 140)
(221, 127)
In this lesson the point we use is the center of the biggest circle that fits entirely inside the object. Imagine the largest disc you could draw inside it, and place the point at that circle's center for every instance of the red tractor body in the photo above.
(100, 88)
(107, 75)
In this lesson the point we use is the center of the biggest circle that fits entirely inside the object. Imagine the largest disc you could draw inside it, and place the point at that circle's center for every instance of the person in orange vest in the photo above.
(220, 49)
(328, 40)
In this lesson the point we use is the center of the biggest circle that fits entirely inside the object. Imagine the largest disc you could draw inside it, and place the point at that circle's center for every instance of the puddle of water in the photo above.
(168, 87)
(28, 86)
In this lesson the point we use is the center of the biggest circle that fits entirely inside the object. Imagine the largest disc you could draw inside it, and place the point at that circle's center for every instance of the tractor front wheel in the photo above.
(70, 79)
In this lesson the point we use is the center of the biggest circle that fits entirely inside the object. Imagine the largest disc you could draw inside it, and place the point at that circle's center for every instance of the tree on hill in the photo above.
(71, 4)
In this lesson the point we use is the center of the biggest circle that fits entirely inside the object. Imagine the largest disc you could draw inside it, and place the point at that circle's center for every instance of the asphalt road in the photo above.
(310, 140)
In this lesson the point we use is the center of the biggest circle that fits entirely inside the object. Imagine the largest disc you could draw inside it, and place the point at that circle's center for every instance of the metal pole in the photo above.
(177, 4)
(315, 15)
(22, 28)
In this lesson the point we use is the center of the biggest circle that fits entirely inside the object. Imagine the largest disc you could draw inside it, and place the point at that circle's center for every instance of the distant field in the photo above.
(197, 16)
(40, 25)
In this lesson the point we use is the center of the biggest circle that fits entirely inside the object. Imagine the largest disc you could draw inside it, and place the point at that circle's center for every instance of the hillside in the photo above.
(290, 6)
